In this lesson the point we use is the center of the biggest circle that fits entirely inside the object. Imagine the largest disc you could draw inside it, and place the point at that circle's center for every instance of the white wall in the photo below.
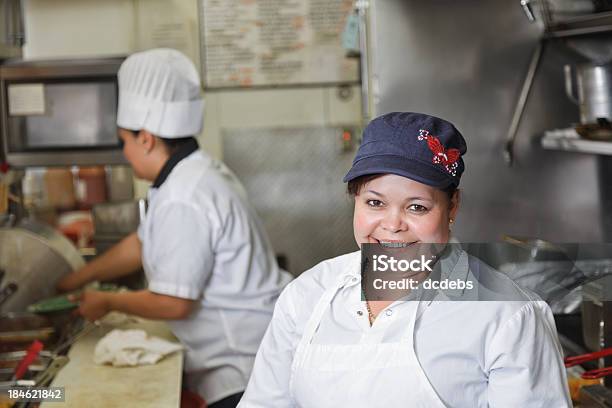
(77, 28)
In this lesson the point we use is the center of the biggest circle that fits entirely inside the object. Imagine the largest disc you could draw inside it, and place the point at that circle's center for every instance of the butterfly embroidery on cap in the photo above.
(446, 157)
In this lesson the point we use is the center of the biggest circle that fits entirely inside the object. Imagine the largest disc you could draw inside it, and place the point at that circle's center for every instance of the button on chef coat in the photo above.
(474, 353)
(202, 241)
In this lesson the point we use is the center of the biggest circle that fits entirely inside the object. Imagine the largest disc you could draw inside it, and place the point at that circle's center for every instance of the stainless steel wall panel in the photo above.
(465, 61)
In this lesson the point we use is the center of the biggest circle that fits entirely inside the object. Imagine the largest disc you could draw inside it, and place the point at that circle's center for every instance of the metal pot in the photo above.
(591, 90)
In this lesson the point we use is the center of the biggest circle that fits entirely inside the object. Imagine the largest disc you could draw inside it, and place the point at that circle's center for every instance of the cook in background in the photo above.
(209, 265)
(326, 347)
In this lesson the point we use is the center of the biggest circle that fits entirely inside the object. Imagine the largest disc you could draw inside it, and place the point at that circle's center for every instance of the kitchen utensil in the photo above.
(31, 355)
(591, 374)
(582, 358)
(593, 85)
(44, 379)
(10, 360)
(62, 302)
(54, 304)
(598, 373)
(35, 367)
(89, 327)
(18, 355)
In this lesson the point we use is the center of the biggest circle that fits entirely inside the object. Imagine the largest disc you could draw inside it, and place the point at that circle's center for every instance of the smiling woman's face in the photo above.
(393, 208)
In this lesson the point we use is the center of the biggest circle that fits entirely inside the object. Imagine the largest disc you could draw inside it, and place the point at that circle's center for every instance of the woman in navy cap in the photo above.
(328, 347)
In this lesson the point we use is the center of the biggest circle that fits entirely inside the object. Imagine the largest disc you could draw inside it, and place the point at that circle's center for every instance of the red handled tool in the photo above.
(31, 355)
(583, 358)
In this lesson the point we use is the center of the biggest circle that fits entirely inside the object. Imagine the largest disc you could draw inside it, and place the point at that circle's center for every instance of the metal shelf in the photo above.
(568, 140)
(581, 25)
(594, 23)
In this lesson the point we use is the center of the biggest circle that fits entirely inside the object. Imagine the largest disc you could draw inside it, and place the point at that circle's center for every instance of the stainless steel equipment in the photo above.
(596, 313)
(566, 19)
(591, 90)
(595, 396)
(410, 72)
(118, 219)
(114, 221)
(60, 112)
(34, 256)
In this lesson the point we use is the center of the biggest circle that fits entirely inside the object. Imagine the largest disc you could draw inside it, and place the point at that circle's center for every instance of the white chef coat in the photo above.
(202, 241)
(474, 353)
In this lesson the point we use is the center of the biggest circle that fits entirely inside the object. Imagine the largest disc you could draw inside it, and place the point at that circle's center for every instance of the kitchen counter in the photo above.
(90, 385)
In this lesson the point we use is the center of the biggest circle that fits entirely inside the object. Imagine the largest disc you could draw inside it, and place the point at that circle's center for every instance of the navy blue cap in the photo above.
(414, 145)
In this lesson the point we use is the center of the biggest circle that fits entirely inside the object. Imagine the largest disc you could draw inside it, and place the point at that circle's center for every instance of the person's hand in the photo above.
(93, 304)
(74, 280)
(68, 283)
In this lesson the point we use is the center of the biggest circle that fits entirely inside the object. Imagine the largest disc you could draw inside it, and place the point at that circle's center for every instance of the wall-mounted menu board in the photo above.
(247, 43)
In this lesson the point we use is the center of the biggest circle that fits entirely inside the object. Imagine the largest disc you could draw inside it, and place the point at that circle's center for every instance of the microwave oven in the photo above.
(60, 113)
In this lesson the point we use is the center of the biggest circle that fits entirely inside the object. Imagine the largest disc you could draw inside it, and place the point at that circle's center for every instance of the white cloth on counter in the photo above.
(122, 348)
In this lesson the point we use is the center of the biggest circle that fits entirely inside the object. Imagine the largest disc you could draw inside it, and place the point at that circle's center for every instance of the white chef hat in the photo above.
(159, 91)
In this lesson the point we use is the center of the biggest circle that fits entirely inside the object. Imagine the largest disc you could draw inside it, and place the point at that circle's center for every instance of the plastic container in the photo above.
(59, 186)
(91, 186)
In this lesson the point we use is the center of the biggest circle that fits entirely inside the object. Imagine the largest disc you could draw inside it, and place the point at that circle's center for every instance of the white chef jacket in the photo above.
(474, 353)
(202, 241)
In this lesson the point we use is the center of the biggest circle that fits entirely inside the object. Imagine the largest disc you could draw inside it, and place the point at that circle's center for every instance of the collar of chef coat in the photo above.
(174, 159)
(453, 265)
